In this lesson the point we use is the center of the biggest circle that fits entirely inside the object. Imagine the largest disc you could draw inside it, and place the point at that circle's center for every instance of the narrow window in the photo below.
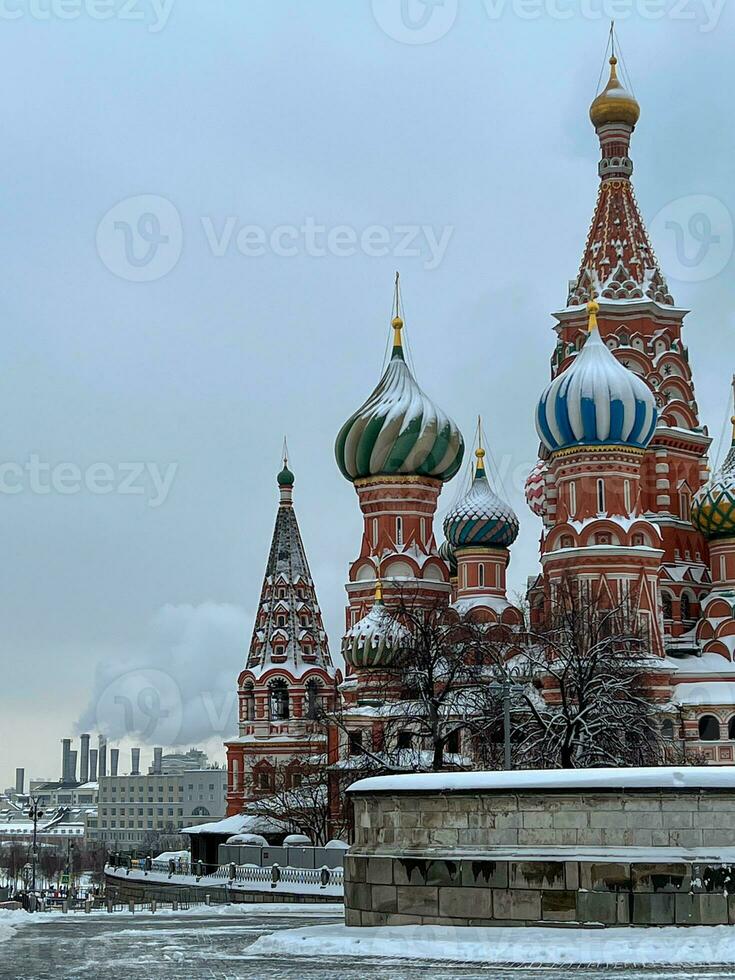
(423, 530)
(627, 497)
(723, 568)
(601, 496)
(685, 506)
(481, 575)
(375, 532)
(399, 531)
(355, 743)
(572, 498)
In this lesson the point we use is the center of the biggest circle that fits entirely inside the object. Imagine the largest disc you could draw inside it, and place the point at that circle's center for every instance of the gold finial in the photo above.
(593, 308)
(378, 584)
(614, 104)
(397, 321)
(733, 428)
(480, 453)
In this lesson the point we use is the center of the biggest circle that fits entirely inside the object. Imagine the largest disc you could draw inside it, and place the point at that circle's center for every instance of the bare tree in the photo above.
(586, 700)
(434, 705)
(302, 798)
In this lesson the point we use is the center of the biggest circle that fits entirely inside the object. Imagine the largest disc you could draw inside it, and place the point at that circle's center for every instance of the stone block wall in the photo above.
(541, 858)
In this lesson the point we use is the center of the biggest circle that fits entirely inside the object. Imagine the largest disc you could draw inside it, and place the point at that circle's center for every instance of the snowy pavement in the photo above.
(289, 942)
(531, 946)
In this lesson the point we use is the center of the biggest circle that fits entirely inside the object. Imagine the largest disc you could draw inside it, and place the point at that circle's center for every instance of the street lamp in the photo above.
(35, 813)
(506, 688)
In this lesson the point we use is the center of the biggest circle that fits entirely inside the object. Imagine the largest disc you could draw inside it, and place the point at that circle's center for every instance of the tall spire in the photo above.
(288, 626)
(618, 262)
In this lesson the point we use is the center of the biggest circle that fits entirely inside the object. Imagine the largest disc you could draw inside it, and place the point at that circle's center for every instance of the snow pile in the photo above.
(297, 840)
(663, 777)
(668, 945)
(253, 840)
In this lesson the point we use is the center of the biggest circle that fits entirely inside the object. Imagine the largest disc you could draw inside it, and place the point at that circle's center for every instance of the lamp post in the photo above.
(35, 813)
(506, 688)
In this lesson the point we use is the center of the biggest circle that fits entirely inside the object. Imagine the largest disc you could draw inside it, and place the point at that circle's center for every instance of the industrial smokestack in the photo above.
(84, 758)
(65, 760)
(157, 761)
(93, 765)
(135, 762)
(102, 756)
(114, 761)
(73, 766)
(20, 781)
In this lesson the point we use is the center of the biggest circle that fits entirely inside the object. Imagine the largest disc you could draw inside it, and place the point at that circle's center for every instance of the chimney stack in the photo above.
(102, 756)
(114, 761)
(73, 766)
(20, 781)
(93, 765)
(135, 762)
(157, 761)
(84, 759)
(65, 760)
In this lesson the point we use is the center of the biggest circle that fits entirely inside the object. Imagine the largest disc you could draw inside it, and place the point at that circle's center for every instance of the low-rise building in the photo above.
(132, 809)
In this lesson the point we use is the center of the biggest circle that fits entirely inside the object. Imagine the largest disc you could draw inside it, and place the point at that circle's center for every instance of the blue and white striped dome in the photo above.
(596, 401)
(481, 519)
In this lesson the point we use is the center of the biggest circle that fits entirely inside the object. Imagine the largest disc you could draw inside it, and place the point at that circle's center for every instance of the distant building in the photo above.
(133, 808)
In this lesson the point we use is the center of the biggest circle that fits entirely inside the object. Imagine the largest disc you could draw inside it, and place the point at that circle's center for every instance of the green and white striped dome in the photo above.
(375, 640)
(399, 431)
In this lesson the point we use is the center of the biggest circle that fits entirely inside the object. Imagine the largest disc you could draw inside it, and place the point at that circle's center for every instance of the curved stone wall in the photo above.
(466, 850)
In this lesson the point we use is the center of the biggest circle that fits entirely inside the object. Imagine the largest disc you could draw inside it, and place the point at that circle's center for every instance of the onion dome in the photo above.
(374, 640)
(447, 554)
(285, 477)
(596, 401)
(481, 519)
(536, 488)
(713, 507)
(614, 104)
(399, 430)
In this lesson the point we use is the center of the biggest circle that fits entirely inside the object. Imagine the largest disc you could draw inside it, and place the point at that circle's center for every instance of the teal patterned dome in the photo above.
(713, 507)
(399, 431)
(375, 640)
(481, 519)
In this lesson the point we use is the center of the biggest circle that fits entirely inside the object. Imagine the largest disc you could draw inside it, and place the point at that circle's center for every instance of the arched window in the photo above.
(601, 496)
(709, 728)
(399, 531)
(567, 541)
(312, 699)
(279, 701)
(668, 606)
(686, 607)
(685, 505)
(667, 729)
(731, 729)
(481, 576)
(248, 703)
(638, 540)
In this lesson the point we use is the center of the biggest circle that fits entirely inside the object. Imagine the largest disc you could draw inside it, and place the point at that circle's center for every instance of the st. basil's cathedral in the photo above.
(622, 487)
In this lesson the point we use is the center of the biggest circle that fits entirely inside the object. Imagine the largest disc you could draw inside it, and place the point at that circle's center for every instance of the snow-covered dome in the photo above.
(614, 104)
(481, 518)
(399, 430)
(596, 401)
(536, 488)
(713, 507)
(374, 640)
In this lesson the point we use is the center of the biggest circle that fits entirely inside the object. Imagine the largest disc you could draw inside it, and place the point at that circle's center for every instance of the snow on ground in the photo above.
(665, 946)
(10, 921)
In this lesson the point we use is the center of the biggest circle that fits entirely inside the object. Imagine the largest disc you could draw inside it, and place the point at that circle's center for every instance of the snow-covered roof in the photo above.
(708, 664)
(239, 824)
(705, 693)
(663, 777)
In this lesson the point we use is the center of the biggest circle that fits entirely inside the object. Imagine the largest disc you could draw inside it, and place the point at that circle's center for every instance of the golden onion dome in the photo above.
(615, 104)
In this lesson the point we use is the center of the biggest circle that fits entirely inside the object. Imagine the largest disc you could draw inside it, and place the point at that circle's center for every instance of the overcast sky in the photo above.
(203, 207)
